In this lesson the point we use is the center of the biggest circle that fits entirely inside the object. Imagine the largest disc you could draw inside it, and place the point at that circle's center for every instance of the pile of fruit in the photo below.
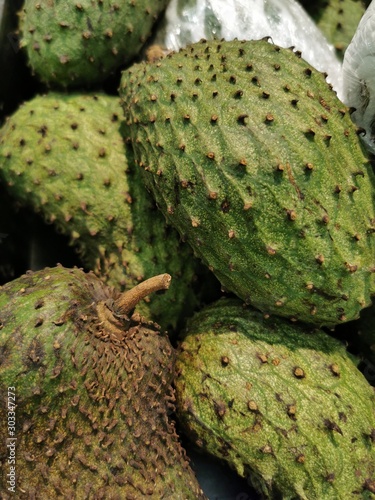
(222, 205)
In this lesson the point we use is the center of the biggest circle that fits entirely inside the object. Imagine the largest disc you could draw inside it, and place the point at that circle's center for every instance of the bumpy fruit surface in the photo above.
(255, 161)
(64, 156)
(91, 386)
(337, 19)
(285, 407)
(71, 43)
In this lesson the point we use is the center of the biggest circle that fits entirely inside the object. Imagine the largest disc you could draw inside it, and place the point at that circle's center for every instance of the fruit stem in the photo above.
(128, 300)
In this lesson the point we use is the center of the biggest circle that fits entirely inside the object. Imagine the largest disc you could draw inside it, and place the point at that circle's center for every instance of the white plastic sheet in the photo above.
(359, 76)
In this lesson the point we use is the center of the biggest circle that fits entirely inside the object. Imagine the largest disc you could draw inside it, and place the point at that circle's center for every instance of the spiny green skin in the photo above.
(284, 406)
(64, 156)
(71, 43)
(254, 160)
(337, 19)
(92, 409)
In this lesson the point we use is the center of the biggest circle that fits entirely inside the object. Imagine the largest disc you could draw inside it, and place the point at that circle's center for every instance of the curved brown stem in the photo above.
(127, 301)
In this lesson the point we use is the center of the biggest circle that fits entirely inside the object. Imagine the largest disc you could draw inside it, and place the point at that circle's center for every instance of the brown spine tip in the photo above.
(129, 299)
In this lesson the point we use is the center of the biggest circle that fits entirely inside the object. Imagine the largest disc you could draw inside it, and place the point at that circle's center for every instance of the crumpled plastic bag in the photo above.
(359, 76)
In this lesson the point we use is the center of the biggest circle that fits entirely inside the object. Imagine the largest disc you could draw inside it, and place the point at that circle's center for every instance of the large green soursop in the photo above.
(91, 385)
(64, 156)
(252, 157)
(284, 406)
(70, 43)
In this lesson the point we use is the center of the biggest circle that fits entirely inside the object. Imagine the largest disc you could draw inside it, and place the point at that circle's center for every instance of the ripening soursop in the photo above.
(284, 405)
(255, 161)
(71, 43)
(90, 386)
(64, 156)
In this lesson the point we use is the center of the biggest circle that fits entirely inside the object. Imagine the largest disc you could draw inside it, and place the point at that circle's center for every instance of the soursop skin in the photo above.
(93, 393)
(64, 156)
(81, 43)
(252, 157)
(283, 404)
(337, 20)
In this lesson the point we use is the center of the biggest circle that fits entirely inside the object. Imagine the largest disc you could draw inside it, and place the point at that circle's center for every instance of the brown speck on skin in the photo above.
(252, 406)
(38, 322)
(335, 369)
(291, 411)
(220, 408)
(332, 426)
(298, 372)
(242, 119)
(270, 250)
(300, 458)
(352, 268)
(267, 449)
(224, 360)
(291, 214)
(369, 485)
(319, 259)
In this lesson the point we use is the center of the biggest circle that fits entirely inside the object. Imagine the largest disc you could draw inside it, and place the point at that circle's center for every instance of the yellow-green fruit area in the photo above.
(64, 156)
(72, 43)
(92, 394)
(284, 405)
(252, 157)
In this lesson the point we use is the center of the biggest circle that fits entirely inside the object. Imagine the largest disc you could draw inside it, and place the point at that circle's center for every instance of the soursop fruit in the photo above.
(337, 19)
(252, 157)
(284, 405)
(91, 386)
(70, 43)
(64, 156)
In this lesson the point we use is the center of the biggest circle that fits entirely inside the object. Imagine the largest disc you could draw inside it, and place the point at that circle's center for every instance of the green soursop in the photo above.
(255, 161)
(286, 407)
(337, 19)
(64, 156)
(89, 386)
(70, 43)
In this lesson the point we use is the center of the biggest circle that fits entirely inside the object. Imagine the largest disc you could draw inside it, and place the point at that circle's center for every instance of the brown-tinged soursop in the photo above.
(252, 157)
(91, 389)
(284, 405)
(64, 156)
(70, 43)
